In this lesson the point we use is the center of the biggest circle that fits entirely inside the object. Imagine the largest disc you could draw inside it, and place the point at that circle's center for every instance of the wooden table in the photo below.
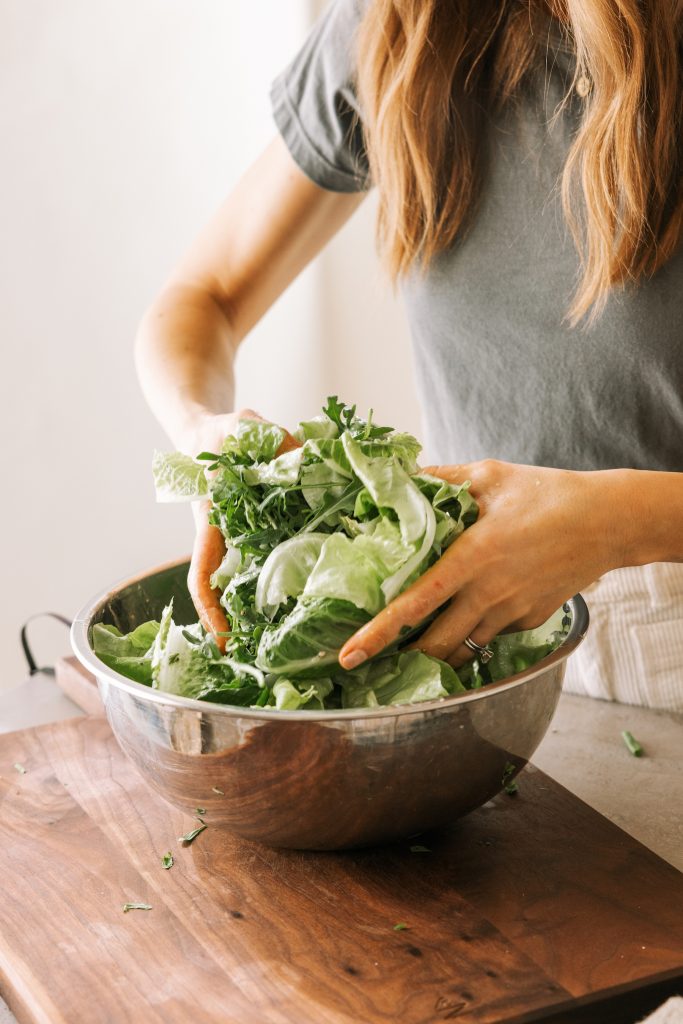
(532, 908)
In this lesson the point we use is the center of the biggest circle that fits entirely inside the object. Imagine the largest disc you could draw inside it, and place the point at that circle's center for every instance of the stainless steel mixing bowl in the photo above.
(318, 780)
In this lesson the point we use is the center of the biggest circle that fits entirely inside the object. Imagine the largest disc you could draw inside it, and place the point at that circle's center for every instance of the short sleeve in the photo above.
(315, 105)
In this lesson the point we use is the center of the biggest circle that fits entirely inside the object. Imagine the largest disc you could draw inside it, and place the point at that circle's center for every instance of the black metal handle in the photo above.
(32, 666)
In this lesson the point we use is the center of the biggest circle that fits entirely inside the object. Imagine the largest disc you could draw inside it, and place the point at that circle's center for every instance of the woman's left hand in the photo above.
(541, 535)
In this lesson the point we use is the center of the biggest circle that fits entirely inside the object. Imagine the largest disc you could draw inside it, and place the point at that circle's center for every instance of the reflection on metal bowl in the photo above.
(318, 780)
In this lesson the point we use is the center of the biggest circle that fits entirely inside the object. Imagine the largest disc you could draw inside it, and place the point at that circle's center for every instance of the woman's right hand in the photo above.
(208, 552)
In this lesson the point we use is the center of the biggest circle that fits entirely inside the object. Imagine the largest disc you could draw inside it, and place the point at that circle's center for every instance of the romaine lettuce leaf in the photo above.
(406, 678)
(311, 694)
(309, 638)
(391, 489)
(131, 654)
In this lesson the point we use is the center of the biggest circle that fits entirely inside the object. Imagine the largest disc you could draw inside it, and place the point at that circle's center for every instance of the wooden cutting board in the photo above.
(532, 908)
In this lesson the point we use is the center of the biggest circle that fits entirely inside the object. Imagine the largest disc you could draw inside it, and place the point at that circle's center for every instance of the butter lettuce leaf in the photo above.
(177, 477)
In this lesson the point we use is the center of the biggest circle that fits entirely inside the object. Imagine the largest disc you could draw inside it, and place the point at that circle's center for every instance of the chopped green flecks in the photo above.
(20, 768)
(506, 782)
(401, 927)
(200, 810)
(167, 860)
(136, 906)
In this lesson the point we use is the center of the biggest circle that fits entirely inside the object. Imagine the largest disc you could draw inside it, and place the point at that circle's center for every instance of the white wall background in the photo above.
(123, 124)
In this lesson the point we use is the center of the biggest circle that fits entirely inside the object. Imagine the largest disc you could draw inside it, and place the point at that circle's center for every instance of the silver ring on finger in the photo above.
(483, 653)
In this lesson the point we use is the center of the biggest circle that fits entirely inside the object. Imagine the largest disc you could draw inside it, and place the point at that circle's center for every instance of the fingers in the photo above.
(445, 638)
(207, 555)
(446, 634)
(481, 635)
(452, 474)
(423, 597)
(289, 443)
(485, 477)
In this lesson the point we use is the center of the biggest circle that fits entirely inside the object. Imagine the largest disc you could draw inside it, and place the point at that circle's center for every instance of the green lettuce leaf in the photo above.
(289, 695)
(231, 564)
(319, 426)
(256, 440)
(354, 569)
(285, 571)
(131, 655)
(282, 471)
(406, 678)
(177, 477)
(391, 489)
(309, 638)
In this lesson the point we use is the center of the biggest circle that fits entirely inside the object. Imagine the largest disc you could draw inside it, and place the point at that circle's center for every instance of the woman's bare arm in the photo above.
(268, 229)
(272, 224)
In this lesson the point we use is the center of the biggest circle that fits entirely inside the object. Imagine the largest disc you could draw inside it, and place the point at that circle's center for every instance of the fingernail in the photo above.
(353, 659)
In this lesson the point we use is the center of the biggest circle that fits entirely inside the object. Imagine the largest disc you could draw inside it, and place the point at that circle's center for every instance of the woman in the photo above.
(528, 162)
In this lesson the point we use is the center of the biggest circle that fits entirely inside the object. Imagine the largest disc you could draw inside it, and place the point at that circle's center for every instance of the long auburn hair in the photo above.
(427, 69)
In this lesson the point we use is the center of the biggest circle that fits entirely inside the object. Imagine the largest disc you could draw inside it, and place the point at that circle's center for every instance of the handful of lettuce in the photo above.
(318, 540)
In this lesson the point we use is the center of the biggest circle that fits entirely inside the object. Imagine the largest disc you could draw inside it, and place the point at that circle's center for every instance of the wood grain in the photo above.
(78, 684)
(527, 902)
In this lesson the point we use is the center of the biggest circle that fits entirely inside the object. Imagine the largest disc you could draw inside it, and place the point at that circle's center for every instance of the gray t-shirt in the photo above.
(498, 372)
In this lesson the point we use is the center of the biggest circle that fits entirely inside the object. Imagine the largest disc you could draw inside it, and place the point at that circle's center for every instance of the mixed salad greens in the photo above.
(318, 540)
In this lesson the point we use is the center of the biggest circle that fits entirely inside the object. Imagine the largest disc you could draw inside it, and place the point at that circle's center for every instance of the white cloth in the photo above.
(633, 652)
(670, 1013)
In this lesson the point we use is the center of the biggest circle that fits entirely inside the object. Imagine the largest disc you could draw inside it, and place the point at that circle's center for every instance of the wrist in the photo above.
(641, 516)
(192, 428)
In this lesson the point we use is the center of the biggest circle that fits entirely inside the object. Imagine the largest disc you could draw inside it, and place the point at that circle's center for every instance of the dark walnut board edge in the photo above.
(532, 907)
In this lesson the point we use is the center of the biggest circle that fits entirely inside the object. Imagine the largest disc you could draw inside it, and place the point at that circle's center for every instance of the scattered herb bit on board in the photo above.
(200, 810)
(136, 906)
(632, 743)
(401, 927)
(191, 836)
(215, 789)
(167, 860)
(20, 768)
(508, 784)
(420, 849)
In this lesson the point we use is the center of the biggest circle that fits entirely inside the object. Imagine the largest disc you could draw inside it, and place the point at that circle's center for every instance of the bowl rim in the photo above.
(80, 642)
